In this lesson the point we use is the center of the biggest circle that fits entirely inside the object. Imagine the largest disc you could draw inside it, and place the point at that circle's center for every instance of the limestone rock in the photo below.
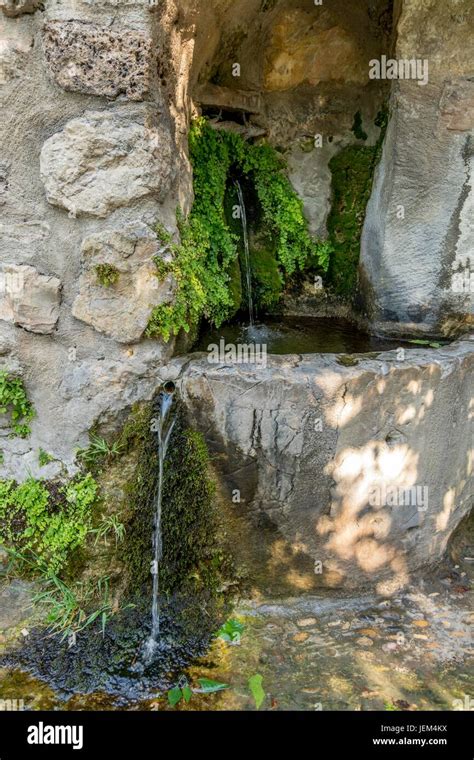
(417, 235)
(3, 183)
(457, 104)
(17, 7)
(310, 447)
(88, 58)
(29, 299)
(303, 49)
(122, 309)
(16, 45)
(107, 159)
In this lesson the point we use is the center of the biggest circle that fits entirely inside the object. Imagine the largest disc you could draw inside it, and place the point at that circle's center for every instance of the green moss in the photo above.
(267, 278)
(14, 401)
(235, 284)
(193, 560)
(203, 263)
(347, 360)
(107, 274)
(352, 175)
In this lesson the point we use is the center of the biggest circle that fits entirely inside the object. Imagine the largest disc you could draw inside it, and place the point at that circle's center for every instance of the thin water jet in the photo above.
(164, 428)
(248, 271)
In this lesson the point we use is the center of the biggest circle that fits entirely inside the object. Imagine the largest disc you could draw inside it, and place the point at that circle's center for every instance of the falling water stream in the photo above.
(248, 272)
(164, 429)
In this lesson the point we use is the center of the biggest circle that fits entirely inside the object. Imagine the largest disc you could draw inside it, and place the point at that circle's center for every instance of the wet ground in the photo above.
(410, 652)
(300, 335)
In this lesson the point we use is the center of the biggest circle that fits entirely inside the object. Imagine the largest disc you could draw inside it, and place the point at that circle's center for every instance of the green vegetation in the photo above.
(203, 263)
(98, 451)
(107, 274)
(177, 693)
(352, 174)
(110, 525)
(14, 401)
(72, 608)
(194, 562)
(46, 520)
(44, 458)
(256, 688)
(231, 631)
(184, 692)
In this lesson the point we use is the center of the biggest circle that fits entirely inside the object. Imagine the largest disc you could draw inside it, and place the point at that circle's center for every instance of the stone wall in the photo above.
(418, 241)
(366, 469)
(96, 99)
(93, 154)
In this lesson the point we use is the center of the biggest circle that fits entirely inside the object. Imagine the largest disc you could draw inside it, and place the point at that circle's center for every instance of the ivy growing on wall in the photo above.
(201, 264)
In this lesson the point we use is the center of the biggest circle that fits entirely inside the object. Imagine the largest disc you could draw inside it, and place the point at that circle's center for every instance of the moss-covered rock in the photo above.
(193, 560)
(352, 175)
(266, 276)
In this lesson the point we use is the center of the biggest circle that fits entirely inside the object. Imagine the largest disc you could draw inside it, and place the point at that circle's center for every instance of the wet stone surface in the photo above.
(410, 652)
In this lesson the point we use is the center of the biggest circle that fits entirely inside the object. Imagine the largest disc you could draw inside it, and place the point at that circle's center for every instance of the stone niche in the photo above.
(122, 308)
(85, 57)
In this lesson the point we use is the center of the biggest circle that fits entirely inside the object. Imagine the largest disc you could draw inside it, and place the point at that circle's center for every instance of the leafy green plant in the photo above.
(203, 263)
(107, 274)
(14, 401)
(44, 458)
(208, 686)
(184, 692)
(231, 631)
(48, 521)
(324, 251)
(178, 693)
(110, 525)
(256, 688)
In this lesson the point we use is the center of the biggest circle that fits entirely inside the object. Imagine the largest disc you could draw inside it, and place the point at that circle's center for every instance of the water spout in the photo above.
(164, 429)
(248, 271)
